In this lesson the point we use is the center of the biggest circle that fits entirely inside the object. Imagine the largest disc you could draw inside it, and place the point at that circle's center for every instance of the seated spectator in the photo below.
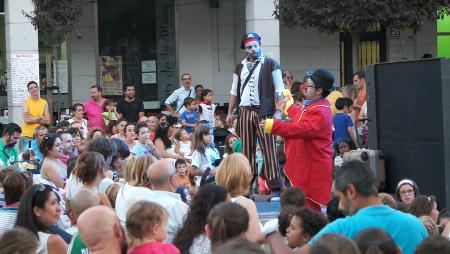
(3, 173)
(39, 133)
(239, 246)
(229, 142)
(191, 237)
(39, 208)
(14, 185)
(53, 170)
(205, 156)
(334, 244)
(18, 240)
(225, 222)
(137, 185)
(234, 174)
(118, 160)
(82, 201)
(130, 135)
(164, 144)
(184, 186)
(160, 174)
(111, 192)
(405, 193)
(11, 135)
(162, 119)
(425, 208)
(68, 147)
(376, 241)
(305, 224)
(146, 226)
(152, 123)
(112, 128)
(96, 133)
(61, 126)
(77, 111)
(355, 186)
(144, 145)
(443, 218)
(122, 122)
(184, 144)
(388, 200)
(333, 212)
(100, 230)
(434, 245)
(105, 147)
(77, 136)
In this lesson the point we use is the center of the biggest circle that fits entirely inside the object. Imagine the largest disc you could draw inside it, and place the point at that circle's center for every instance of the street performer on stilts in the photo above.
(308, 140)
(257, 85)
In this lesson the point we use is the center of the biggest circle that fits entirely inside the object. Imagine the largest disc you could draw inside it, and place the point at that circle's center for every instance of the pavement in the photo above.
(267, 210)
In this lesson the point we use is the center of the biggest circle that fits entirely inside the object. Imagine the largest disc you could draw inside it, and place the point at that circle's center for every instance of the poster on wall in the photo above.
(61, 75)
(24, 68)
(111, 75)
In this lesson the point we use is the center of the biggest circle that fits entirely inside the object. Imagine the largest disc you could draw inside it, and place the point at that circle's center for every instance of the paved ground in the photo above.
(266, 210)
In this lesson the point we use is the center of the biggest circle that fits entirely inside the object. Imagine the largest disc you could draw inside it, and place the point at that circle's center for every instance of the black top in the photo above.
(130, 109)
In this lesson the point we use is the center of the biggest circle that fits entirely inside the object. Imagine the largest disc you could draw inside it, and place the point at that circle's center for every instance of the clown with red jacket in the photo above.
(308, 140)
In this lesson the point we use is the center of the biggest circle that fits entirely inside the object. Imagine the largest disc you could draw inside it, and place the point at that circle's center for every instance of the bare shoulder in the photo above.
(56, 244)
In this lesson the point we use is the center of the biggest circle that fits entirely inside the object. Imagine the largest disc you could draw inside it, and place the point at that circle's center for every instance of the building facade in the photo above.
(151, 43)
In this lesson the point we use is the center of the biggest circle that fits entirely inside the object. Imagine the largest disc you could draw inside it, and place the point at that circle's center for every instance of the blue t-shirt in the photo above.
(405, 229)
(341, 122)
(190, 118)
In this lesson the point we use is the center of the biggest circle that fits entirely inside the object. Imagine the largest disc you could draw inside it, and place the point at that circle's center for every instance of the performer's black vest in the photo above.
(266, 87)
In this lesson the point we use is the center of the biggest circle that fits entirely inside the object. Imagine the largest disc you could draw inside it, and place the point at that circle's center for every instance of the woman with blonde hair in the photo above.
(137, 186)
(234, 174)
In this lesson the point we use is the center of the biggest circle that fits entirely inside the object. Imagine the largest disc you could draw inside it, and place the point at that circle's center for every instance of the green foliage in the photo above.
(331, 16)
(55, 17)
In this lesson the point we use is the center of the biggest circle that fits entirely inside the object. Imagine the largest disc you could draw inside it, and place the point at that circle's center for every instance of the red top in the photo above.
(155, 248)
(93, 112)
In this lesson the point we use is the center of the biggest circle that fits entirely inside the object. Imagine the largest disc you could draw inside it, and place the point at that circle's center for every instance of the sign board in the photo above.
(111, 75)
(24, 68)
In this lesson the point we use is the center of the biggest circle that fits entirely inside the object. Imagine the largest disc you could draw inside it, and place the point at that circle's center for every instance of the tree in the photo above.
(55, 19)
(331, 16)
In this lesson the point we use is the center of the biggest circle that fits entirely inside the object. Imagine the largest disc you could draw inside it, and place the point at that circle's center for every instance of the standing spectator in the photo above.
(191, 237)
(255, 95)
(100, 230)
(343, 124)
(359, 80)
(161, 177)
(93, 108)
(39, 208)
(11, 135)
(198, 93)
(407, 190)
(39, 133)
(179, 95)
(129, 107)
(78, 116)
(425, 208)
(207, 109)
(288, 79)
(34, 113)
(68, 147)
(189, 118)
(53, 170)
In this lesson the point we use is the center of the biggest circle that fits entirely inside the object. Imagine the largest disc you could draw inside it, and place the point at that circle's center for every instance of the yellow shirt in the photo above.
(36, 108)
(332, 97)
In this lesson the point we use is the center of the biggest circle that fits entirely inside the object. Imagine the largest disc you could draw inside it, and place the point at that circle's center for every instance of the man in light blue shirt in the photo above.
(179, 95)
(355, 186)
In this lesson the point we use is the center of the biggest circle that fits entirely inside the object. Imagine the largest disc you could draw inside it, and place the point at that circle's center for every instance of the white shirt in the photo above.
(176, 209)
(84, 124)
(127, 196)
(205, 161)
(250, 95)
(178, 96)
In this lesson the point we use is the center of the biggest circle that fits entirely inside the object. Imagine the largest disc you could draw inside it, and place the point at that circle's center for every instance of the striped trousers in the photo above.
(249, 130)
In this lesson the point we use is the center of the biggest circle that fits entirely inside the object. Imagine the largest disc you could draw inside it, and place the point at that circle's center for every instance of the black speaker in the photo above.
(214, 3)
(409, 105)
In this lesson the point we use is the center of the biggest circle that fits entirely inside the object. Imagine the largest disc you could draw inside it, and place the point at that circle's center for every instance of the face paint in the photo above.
(253, 49)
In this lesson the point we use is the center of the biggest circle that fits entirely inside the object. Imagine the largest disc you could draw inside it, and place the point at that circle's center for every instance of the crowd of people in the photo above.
(112, 180)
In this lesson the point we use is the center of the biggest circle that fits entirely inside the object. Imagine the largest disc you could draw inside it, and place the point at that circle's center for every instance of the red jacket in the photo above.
(308, 148)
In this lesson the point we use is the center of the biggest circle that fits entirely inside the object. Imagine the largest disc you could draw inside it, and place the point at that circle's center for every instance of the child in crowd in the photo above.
(184, 145)
(146, 228)
(112, 128)
(122, 122)
(152, 123)
(205, 155)
(110, 112)
(343, 124)
(299, 98)
(305, 224)
(184, 187)
(220, 121)
(225, 222)
(229, 142)
(189, 118)
(144, 145)
(342, 147)
(207, 109)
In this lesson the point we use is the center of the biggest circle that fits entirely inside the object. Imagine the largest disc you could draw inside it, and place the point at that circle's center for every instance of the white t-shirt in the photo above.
(127, 196)
(202, 162)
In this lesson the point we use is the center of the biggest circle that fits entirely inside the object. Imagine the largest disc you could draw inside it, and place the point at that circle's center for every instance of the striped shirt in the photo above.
(8, 215)
(2, 199)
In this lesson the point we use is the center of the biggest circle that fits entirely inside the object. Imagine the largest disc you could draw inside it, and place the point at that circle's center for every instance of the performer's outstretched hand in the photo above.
(229, 120)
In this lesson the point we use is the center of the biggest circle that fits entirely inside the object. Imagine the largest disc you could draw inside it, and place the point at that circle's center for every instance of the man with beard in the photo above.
(11, 135)
(93, 108)
(68, 147)
(257, 85)
(355, 186)
(100, 230)
(129, 107)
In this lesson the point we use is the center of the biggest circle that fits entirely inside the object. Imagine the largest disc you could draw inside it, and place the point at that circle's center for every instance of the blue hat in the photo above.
(324, 79)
(250, 36)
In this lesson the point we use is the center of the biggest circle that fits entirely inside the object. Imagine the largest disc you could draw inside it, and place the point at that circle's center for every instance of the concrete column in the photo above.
(259, 19)
(21, 38)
